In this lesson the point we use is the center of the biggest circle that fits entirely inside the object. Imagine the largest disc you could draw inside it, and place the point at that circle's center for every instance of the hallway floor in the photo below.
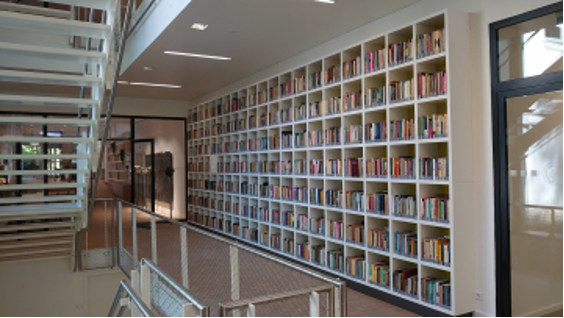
(359, 305)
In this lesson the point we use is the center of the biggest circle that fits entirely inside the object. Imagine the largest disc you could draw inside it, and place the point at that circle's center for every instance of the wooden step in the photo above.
(49, 78)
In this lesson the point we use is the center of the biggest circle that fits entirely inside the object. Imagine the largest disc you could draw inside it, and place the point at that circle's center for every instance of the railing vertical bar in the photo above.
(251, 311)
(184, 257)
(134, 236)
(113, 231)
(314, 304)
(120, 230)
(154, 254)
(234, 260)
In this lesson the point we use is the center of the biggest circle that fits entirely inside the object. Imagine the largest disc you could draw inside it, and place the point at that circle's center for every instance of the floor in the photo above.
(208, 270)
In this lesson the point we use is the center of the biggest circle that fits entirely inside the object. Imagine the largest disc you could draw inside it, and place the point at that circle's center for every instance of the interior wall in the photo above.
(481, 14)
(169, 136)
(49, 287)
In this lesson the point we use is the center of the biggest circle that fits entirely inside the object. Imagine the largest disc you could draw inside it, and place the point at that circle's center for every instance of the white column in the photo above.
(154, 240)
(136, 286)
(251, 311)
(134, 236)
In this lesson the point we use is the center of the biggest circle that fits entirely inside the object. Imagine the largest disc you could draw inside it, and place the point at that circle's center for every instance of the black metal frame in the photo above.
(501, 91)
(153, 192)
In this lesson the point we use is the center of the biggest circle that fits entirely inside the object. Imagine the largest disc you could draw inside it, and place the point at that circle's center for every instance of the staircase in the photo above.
(53, 60)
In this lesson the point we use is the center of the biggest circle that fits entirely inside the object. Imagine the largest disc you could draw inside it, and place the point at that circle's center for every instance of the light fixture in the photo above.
(326, 1)
(199, 26)
(147, 68)
(203, 56)
(149, 84)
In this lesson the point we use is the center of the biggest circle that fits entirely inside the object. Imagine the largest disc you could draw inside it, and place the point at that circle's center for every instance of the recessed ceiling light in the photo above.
(149, 84)
(199, 26)
(326, 1)
(147, 68)
(203, 56)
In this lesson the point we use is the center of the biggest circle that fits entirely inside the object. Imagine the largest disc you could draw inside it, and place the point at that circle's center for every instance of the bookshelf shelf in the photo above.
(298, 102)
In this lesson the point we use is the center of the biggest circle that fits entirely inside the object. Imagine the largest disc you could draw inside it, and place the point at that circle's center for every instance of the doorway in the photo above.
(526, 70)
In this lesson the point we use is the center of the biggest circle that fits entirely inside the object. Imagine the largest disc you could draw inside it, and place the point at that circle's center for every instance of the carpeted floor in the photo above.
(209, 269)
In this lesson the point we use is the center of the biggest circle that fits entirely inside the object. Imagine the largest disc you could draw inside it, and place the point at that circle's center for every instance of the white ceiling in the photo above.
(255, 33)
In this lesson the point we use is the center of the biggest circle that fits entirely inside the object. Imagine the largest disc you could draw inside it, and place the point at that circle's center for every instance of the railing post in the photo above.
(134, 236)
(154, 240)
(189, 310)
(136, 286)
(184, 256)
(234, 259)
(145, 285)
(120, 230)
(314, 304)
(251, 311)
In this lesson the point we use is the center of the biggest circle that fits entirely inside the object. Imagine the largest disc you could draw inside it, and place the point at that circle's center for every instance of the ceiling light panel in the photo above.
(199, 26)
(203, 56)
(326, 1)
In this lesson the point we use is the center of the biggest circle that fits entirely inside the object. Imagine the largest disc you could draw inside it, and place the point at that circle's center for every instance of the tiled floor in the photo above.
(209, 271)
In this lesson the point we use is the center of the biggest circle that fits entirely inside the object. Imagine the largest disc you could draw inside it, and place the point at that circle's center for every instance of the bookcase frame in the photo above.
(457, 145)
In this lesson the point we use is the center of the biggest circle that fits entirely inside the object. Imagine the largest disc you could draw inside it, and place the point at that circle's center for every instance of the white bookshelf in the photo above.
(457, 146)
(116, 169)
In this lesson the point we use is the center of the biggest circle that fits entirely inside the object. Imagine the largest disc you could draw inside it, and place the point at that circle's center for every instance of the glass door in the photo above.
(534, 170)
(143, 176)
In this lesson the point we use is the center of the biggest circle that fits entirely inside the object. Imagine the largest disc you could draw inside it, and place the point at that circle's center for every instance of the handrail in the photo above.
(110, 106)
(265, 299)
(181, 290)
(246, 247)
(124, 287)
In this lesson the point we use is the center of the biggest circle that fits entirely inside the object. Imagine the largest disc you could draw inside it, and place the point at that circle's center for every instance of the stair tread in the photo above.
(54, 25)
(31, 245)
(34, 226)
(46, 252)
(39, 172)
(41, 186)
(46, 121)
(8, 46)
(26, 139)
(49, 198)
(48, 78)
(38, 207)
(97, 4)
(47, 100)
(41, 156)
(37, 234)
(13, 7)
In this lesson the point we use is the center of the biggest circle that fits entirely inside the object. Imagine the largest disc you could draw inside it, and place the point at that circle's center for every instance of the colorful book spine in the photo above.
(378, 203)
(405, 243)
(402, 129)
(431, 84)
(335, 260)
(400, 91)
(436, 250)
(436, 291)
(434, 168)
(302, 250)
(379, 239)
(402, 167)
(400, 53)
(379, 274)
(430, 43)
(318, 254)
(317, 225)
(405, 206)
(435, 208)
(356, 266)
(352, 68)
(335, 228)
(316, 167)
(353, 134)
(355, 233)
(354, 200)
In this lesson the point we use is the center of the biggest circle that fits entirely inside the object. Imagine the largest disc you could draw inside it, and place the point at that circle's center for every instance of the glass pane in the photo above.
(534, 153)
(143, 177)
(530, 48)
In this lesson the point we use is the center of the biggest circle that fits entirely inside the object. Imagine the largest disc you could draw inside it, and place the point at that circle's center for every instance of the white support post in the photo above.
(134, 236)
(184, 256)
(120, 228)
(154, 240)
(136, 286)
(251, 311)
(234, 259)
(314, 304)
(145, 285)
(189, 310)
(337, 302)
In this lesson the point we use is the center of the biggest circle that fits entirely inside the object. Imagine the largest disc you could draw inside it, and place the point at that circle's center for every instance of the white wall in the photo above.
(481, 14)
(149, 107)
(49, 287)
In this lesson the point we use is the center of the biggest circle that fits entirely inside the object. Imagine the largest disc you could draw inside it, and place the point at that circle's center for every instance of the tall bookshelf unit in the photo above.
(253, 175)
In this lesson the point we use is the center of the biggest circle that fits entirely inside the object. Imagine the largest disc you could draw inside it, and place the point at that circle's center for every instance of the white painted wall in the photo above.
(481, 14)
(49, 287)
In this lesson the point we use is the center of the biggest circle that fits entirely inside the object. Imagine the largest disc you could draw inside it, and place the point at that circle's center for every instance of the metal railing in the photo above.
(220, 270)
(96, 246)
(125, 298)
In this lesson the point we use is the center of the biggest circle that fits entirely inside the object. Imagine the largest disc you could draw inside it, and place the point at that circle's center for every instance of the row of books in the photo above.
(352, 68)
(318, 254)
(315, 80)
(436, 291)
(335, 229)
(430, 43)
(401, 90)
(302, 250)
(354, 200)
(436, 250)
(433, 126)
(434, 168)
(250, 234)
(402, 129)
(405, 243)
(400, 52)
(335, 260)
(431, 84)
(405, 280)
(332, 75)
(317, 225)
(333, 136)
(375, 131)
(356, 266)
(352, 101)
(295, 193)
(355, 233)
(374, 61)
(378, 203)
(353, 134)
(325, 197)
(379, 273)
(375, 96)
(435, 208)
(198, 166)
(379, 238)
(302, 222)
(377, 167)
